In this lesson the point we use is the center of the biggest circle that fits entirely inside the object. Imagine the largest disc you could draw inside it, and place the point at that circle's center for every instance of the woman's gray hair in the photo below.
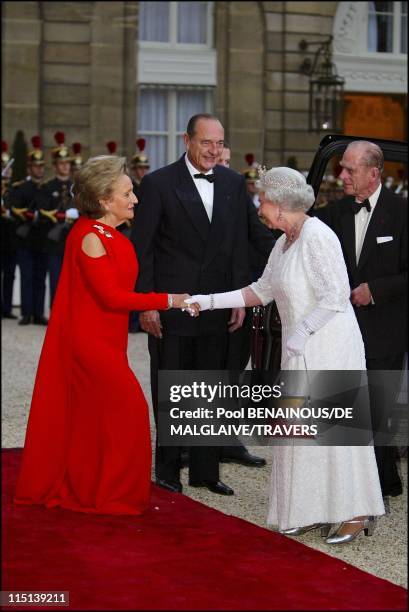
(95, 182)
(286, 187)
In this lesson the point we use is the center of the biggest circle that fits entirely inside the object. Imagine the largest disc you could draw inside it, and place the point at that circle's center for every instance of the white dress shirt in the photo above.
(205, 189)
(362, 220)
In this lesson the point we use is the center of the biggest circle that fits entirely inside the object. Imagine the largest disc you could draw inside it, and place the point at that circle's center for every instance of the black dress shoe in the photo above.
(8, 315)
(175, 486)
(25, 321)
(245, 459)
(215, 487)
(392, 491)
(40, 321)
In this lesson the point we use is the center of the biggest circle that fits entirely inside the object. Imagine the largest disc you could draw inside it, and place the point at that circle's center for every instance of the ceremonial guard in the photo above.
(56, 210)
(77, 160)
(8, 242)
(139, 165)
(31, 258)
(251, 175)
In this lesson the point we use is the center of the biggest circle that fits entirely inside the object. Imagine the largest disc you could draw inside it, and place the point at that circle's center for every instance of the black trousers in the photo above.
(237, 357)
(186, 353)
(386, 456)
(33, 270)
(8, 270)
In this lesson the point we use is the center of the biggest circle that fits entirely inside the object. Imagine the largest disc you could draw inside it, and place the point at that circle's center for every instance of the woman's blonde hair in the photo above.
(95, 181)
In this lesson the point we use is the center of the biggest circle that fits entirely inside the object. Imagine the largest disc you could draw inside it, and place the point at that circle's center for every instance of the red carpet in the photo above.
(181, 555)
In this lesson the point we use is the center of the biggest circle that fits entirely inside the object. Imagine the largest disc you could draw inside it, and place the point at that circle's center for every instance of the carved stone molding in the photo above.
(364, 70)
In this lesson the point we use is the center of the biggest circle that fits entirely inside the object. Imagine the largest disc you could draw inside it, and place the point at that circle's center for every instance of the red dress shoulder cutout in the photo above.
(87, 444)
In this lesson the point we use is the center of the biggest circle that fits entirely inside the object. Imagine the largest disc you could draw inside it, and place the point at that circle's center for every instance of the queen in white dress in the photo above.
(311, 486)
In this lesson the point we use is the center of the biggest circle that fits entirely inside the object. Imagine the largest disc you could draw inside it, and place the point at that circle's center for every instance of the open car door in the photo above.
(266, 332)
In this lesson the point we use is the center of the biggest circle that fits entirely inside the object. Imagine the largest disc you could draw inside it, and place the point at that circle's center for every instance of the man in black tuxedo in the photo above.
(191, 232)
(371, 224)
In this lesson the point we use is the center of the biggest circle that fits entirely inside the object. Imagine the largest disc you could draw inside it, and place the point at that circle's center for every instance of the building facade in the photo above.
(102, 71)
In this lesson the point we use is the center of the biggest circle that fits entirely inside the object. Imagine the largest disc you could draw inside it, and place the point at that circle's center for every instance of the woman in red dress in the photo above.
(87, 444)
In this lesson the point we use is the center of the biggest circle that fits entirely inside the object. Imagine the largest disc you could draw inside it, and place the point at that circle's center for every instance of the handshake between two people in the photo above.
(151, 323)
(196, 303)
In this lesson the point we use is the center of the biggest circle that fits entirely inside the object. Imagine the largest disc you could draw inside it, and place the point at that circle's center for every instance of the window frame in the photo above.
(396, 30)
(173, 32)
(172, 134)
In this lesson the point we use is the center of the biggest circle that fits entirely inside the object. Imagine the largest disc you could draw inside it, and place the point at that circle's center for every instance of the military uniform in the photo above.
(31, 258)
(53, 201)
(8, 244)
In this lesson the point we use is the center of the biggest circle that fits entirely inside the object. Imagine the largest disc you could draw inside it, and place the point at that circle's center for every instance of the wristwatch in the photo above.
(170, 301)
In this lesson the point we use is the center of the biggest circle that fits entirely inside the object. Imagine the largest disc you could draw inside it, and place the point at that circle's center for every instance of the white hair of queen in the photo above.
(286, 187)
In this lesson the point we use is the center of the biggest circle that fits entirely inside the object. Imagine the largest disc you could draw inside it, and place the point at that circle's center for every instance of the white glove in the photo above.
(311, 324)
(296, 343)
(230, 299)
(72, 213)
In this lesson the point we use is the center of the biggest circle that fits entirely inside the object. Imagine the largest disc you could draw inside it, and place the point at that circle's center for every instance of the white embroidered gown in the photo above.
(312, 484)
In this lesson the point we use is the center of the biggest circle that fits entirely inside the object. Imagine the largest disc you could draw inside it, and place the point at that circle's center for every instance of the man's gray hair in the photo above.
(372, 154)
(286, 187)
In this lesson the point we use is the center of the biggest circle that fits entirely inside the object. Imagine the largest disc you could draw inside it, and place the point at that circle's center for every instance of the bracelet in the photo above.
(211, 307)
(170, 301)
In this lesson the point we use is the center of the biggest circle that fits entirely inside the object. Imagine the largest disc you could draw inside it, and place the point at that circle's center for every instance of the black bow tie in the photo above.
(357, 206)
(208, 177)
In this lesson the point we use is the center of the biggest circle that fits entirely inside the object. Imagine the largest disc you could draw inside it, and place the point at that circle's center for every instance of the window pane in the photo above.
(154, 21)
(180, 145)
(156, 147)
(189, 103)
(192, 22)
(404, 35)
(380, 33)
(383, 7)
(153, 111)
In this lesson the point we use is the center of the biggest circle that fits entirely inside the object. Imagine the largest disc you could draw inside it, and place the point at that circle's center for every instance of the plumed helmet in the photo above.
(36, 154)
(5, 156)
(140, 159)
(60, 152)
(250, 171)
(77, 157)
(112, 147)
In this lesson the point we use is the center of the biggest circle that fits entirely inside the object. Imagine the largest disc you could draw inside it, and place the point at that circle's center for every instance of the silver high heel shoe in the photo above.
(296, 531)
(367, 526)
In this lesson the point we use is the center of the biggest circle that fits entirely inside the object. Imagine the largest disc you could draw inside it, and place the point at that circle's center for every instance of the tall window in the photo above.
(175, 23)
(163, 116)
(387, 25)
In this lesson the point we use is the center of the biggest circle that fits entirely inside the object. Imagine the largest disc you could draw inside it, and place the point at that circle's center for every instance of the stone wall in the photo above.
(286, 90)
(21, 45)
(70, 66)
(65, 95)
(239, 93)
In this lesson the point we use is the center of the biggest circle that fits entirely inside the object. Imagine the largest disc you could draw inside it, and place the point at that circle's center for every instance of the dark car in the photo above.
(266, 334)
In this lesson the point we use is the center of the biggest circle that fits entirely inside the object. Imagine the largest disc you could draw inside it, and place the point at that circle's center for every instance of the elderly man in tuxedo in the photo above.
(371, 224)
(191, 231)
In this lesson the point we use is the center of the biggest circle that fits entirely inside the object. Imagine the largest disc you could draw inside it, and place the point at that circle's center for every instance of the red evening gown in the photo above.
(87, 444)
